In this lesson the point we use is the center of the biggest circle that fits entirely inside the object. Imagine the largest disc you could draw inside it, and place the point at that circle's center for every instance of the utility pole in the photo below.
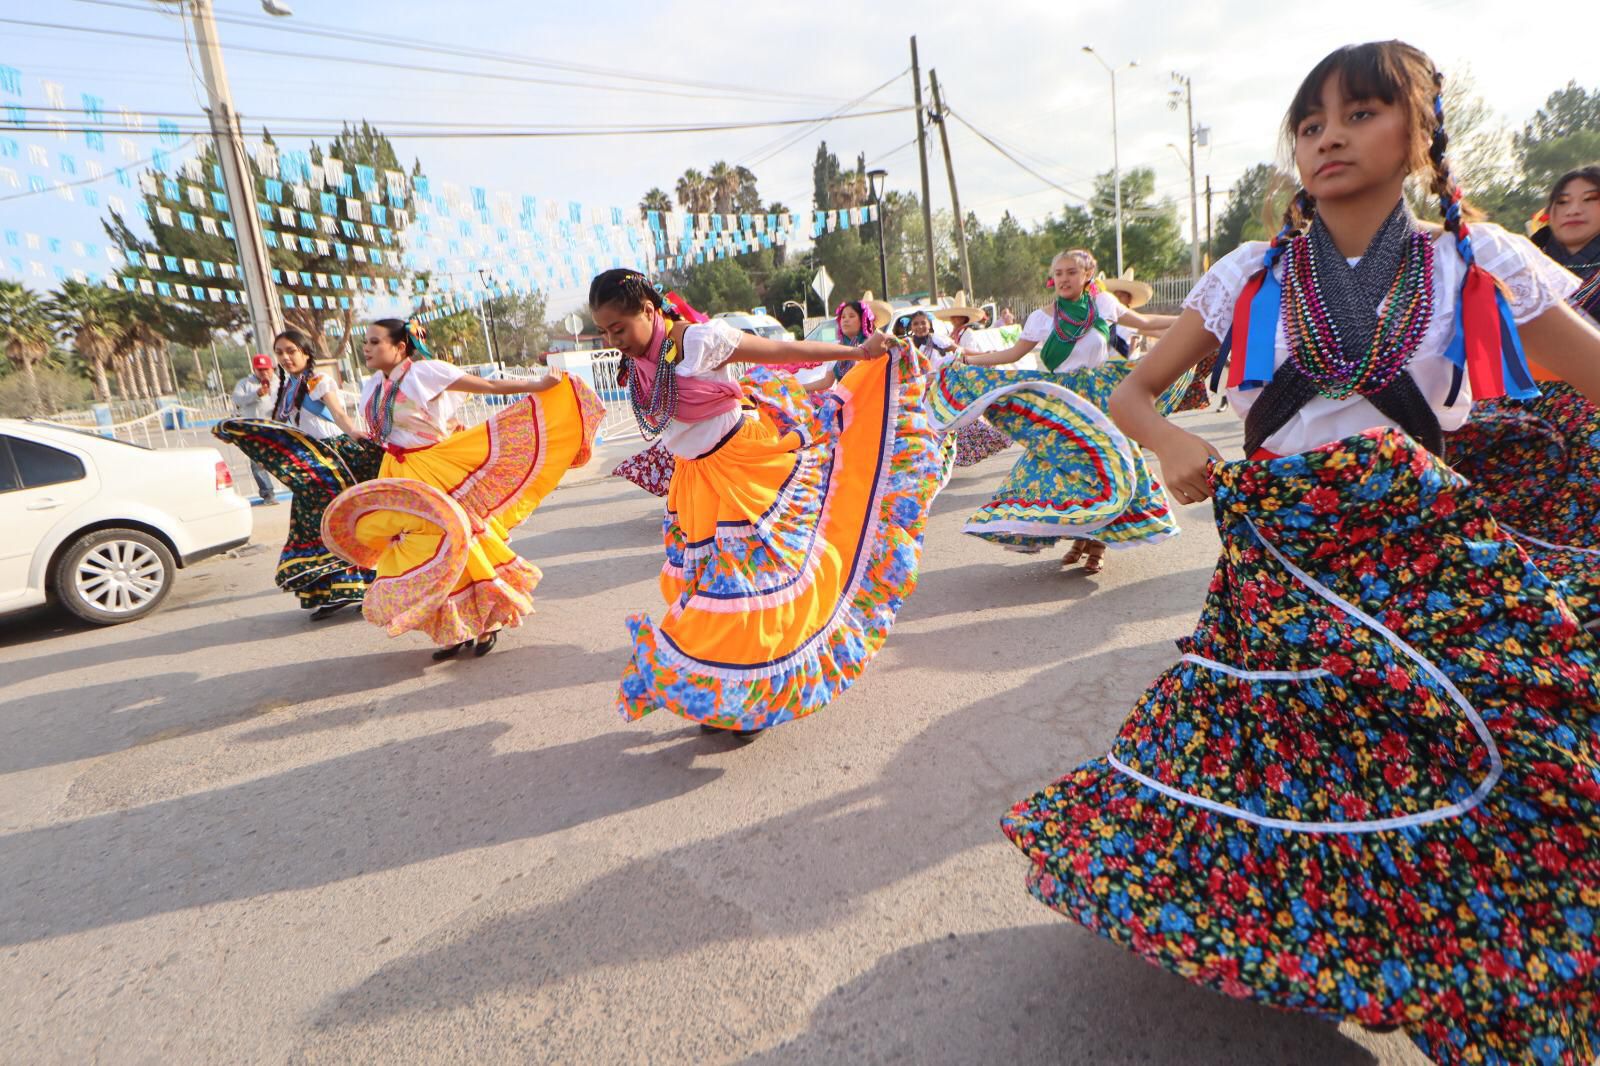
(1208, 222)
(491, 332)
(922, 160)
(955, 197)
(1194, 200)
(266, 318)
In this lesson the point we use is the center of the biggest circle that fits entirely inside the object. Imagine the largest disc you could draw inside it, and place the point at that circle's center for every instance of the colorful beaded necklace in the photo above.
(1587, 297)
(1314, 337)
(656, 414)
(289, 396)
(380, 405)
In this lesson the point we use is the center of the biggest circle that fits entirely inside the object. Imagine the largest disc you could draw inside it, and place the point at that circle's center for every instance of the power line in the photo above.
(326, 31)
(719, 93)
(487, 133)
(785, 143)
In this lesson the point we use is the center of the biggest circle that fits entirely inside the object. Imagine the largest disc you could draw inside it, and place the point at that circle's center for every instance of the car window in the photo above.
(39, 464)
(8, 473)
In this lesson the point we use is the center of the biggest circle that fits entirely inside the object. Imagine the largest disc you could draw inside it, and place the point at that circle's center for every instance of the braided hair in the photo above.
(303, 341)
(1396, 73)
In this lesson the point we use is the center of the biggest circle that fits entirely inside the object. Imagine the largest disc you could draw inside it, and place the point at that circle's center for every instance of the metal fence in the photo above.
(1168, 298)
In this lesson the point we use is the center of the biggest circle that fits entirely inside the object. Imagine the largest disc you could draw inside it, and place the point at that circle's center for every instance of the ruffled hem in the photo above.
(1078, 476)
(866, 448)
(1370, 788)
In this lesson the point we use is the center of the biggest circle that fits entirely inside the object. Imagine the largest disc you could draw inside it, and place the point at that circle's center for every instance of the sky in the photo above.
(1014, 70)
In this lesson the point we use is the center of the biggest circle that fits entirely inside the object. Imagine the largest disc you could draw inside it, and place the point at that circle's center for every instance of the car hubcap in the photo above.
(120, 576)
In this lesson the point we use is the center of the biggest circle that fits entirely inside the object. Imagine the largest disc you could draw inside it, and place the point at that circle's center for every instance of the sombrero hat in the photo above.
(971, 314)
(1132, 293)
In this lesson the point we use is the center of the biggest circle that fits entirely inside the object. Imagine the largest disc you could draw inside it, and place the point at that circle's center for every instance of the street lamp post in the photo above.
(1116, 165)
(877, 178)
(491, 334)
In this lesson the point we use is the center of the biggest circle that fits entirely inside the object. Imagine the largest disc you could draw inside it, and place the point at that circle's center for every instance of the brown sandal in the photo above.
(1094, 559)
(1075, 553)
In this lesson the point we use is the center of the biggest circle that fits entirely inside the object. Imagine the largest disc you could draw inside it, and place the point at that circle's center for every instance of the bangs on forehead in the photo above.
(1365, 72)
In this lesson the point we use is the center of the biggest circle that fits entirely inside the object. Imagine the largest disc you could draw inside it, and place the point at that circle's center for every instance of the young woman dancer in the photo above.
(1538, 460)
(317, 450)
(651, 469)
(1078, 475)
(794, 523)
(1369, 790)
(434, 524)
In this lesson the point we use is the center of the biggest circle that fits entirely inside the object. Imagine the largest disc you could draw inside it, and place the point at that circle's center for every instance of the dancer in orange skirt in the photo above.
(794, 524)
(434, 524)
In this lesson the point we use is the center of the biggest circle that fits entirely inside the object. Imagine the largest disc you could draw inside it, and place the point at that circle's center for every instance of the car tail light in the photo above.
(224, 477)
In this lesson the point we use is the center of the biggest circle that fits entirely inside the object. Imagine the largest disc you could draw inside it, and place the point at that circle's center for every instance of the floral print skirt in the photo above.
(1537, 463)
(315, 471)
(650, 469)
(1370, 788)
(790, 549)
(1077, 476)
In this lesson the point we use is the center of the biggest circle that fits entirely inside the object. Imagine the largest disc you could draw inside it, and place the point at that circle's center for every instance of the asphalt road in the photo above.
(229, 835)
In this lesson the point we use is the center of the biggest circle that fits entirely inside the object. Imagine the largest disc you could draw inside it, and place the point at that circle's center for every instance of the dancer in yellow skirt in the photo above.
(434, 523)
(794, 525)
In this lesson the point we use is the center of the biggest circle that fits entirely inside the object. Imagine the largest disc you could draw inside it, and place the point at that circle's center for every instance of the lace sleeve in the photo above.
(707, 346)
(1533, 281)
(1216, 294)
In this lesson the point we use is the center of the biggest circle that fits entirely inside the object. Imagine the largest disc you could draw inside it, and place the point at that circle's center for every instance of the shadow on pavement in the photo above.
(802, 872)
(378, 809)
(1051, 993)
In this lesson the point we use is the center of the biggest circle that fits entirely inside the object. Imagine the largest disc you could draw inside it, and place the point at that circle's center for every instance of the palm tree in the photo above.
(139, 334)
(725, 182)
(25, 332)
(693, 191)
(90, 317)
(656, 200)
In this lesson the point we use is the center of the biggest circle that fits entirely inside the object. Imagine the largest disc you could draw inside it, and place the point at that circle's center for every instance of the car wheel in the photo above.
(114, 575)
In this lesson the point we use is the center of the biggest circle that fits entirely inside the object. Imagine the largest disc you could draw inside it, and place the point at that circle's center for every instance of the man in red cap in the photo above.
(255, 396)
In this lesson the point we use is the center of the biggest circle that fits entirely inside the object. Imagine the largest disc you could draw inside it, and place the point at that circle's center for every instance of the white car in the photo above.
(760, 325)
(102, 527)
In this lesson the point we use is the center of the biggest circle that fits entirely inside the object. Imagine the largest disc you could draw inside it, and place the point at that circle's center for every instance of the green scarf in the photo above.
(1071, 322)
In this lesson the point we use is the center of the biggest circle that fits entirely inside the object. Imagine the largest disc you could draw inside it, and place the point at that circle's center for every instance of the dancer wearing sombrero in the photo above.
(1078, 477)
(314, 447)
(433, 525)
(794, 523)
(1370, 790)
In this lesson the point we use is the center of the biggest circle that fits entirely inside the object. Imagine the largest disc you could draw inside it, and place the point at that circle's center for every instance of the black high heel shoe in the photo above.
(451, 652)
(485, 645)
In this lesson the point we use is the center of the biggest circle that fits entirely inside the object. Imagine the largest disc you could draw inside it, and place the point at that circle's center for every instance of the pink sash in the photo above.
(698, 398)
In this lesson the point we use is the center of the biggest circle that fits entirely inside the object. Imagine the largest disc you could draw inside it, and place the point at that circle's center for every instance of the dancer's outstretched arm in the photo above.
(1567, 344)
(753, 349)
(1183, 456)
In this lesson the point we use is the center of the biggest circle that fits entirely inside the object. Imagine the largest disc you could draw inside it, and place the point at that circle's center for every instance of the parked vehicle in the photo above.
(760, 325)
(100, 526)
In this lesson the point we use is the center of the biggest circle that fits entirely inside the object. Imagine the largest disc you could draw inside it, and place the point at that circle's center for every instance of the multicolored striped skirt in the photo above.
(1078, 475)
(1370, 789)
(315, 471)
(433, 526)
(790, 549)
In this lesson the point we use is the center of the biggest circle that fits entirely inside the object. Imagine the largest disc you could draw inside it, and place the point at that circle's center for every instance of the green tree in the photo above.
(1007, 261)
(720, 285)
(1152, 242)
(694, 192)
(25, 334)
(655, 200)
(1254, 204)
(90, 318)
(519, 326)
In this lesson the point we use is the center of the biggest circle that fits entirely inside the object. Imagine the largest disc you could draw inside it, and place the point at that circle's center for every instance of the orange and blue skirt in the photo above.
(790, 548)
(433, 526)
